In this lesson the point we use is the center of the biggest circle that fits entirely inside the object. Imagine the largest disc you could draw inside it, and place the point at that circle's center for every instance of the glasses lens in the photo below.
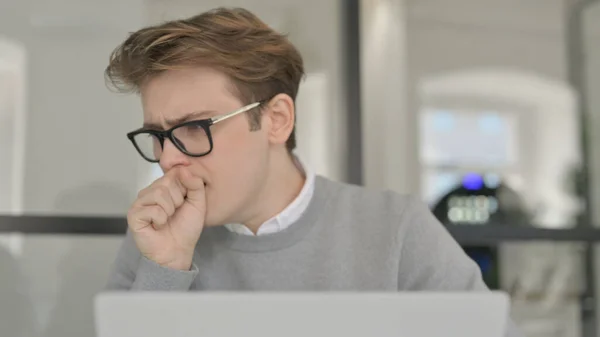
(193, 139)
(149, 146)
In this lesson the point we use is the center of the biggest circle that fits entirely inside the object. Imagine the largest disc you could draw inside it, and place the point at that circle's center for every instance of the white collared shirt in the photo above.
(290, 214)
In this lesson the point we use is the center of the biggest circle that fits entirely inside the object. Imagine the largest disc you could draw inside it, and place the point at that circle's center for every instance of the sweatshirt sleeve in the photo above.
(431, 259)
(132, 271)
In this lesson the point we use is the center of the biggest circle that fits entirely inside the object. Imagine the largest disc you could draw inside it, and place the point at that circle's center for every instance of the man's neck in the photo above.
(285, 180)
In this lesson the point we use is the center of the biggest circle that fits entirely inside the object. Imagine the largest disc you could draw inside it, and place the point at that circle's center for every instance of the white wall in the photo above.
(76, 153)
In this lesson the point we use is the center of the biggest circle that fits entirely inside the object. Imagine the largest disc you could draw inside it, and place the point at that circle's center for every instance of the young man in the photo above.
(235, 209)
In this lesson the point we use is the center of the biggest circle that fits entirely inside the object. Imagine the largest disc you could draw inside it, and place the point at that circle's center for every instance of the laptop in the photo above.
(271, 314)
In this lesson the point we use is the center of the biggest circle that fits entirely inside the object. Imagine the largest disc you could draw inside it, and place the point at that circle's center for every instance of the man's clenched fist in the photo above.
(167, 218)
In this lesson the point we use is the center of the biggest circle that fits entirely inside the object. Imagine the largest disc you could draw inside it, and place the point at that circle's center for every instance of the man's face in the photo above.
(237, 166)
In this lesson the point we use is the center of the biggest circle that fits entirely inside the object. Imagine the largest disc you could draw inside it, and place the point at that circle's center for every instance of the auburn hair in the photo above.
(259, 61)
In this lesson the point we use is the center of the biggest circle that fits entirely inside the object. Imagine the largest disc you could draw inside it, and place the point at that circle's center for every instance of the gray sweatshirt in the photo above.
(349, 239)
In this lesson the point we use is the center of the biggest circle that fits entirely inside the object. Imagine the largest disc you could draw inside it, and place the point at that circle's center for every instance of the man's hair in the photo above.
(259, 61)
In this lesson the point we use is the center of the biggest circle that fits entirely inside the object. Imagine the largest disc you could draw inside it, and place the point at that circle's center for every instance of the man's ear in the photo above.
(279, 116)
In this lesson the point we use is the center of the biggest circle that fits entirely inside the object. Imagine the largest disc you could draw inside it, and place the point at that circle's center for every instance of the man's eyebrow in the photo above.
(180, 120)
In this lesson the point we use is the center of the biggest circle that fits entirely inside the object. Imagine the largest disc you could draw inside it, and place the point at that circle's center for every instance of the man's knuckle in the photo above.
(159, 192)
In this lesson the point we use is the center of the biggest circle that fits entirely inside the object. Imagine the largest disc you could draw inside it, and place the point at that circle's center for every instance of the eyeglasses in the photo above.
(192, 138)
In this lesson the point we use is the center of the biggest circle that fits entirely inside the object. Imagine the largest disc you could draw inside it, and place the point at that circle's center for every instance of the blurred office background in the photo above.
(487, 109)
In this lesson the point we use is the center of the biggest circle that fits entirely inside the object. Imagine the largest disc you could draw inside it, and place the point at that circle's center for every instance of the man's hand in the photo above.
(167, 218)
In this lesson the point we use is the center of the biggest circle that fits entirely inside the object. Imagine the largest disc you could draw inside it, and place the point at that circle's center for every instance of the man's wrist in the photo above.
(183, 265)
(181, 261)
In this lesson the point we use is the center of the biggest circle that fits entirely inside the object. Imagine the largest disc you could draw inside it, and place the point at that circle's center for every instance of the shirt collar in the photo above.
(291, 213)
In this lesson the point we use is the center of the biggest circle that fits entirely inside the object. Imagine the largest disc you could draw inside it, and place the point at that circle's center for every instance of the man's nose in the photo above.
(171, 156)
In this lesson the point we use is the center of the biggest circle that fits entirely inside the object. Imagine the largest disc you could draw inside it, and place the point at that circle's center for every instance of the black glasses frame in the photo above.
(168, 134)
